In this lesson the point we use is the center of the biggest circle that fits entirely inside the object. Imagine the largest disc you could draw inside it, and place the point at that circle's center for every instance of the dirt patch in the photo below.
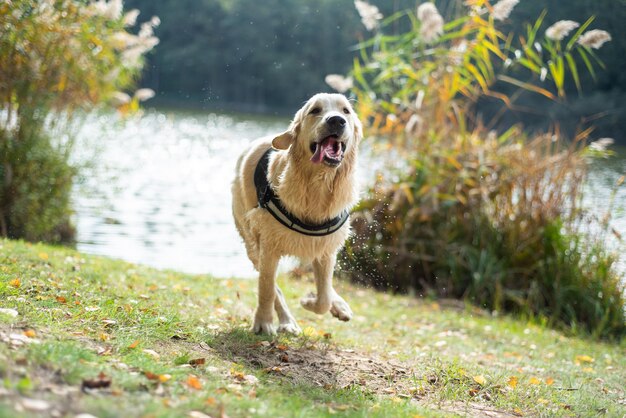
(319, 364)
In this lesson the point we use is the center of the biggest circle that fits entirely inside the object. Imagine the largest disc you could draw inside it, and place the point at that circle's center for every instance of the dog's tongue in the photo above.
(327, 146)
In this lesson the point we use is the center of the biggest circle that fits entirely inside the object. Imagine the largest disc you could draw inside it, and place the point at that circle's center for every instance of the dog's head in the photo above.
(325, 128)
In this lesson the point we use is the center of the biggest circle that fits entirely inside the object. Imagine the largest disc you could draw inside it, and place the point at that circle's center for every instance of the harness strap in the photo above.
(268, 200)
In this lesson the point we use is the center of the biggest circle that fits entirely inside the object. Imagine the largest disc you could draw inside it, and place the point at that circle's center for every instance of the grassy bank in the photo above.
(114, 339)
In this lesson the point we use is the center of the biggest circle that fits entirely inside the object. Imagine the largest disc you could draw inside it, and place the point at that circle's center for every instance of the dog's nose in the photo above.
(336, 122)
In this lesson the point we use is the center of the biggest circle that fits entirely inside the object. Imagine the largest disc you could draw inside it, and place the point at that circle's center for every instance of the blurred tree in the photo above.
(56, 57)
(271, 55)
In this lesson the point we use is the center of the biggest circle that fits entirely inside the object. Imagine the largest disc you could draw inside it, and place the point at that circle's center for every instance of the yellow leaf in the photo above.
(480, 380)
(549, 381)
(518, 412)
(30, 333)
(16, 283)
(164, 377)
(584, 359)
(534, 381)
(512, 381)
(43, 256)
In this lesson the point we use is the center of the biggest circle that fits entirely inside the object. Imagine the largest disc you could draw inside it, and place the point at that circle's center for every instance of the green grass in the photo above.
(399, 356)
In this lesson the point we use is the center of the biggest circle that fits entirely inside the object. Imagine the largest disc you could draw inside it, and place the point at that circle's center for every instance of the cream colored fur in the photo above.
(313, 193)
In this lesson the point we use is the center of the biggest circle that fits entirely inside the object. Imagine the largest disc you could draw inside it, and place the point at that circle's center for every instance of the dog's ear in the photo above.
(284, 140)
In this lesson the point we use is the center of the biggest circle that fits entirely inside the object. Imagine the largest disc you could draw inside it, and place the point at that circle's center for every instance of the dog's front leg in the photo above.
(264, 318)
(326, 298)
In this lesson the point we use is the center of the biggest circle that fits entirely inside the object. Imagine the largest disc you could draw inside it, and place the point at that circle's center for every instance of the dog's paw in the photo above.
(261, 327)
(291, 327)
(312, 303)
(340, 309)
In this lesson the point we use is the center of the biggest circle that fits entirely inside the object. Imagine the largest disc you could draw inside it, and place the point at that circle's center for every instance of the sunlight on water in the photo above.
(156, 190)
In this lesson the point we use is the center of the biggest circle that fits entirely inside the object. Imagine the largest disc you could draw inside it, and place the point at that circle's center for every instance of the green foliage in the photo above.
(495, 219)
(56, 57)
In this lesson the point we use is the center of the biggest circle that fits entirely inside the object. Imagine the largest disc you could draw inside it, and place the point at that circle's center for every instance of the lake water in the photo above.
(156, 189)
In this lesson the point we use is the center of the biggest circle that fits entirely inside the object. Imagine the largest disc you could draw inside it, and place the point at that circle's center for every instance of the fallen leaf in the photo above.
(43, 256)
(518, 412)
(102, 381)
(284, 358)
(30, 333)
(282, 347)
(211, 401)
(197, 361)
(512, 382)
(328, 335)
(164, 377)
(480, 380)
(16, 283)
(134, 344)
(584, 359)
(61, 299)
(534, 381)
(193, 382)
(150, 375)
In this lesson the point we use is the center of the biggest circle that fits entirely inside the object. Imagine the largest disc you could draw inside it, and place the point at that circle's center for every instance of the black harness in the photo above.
(268, 200)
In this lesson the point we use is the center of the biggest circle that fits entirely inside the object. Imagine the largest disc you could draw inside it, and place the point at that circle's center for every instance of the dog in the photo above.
(291, 196)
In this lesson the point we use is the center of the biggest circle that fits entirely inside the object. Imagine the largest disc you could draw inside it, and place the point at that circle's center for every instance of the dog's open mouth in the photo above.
(329, 150)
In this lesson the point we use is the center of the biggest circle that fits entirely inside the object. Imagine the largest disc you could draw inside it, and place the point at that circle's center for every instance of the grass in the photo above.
(163, 344)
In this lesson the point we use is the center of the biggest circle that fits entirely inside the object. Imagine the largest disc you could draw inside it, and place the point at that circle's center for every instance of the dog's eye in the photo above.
(315, 111)
(346, 110)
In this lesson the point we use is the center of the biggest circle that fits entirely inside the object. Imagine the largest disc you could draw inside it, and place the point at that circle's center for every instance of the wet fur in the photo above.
(313, 193)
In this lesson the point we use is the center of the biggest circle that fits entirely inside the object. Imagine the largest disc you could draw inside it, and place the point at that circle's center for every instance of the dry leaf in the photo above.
(211, 401)
(16, 283)
(30, 333)
(100, 382)
(518, 412)
(480, 380)
(134, 344)
(282, 347)
(193, 382)
(164, 377)
(61, 299)
(197, 361)
(151, 376)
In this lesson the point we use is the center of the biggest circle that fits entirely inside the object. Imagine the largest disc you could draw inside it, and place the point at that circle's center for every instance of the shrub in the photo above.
(56, 57)
(494, 218)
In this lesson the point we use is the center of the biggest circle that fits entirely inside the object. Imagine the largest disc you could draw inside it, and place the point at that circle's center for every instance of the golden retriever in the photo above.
(312, 173)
